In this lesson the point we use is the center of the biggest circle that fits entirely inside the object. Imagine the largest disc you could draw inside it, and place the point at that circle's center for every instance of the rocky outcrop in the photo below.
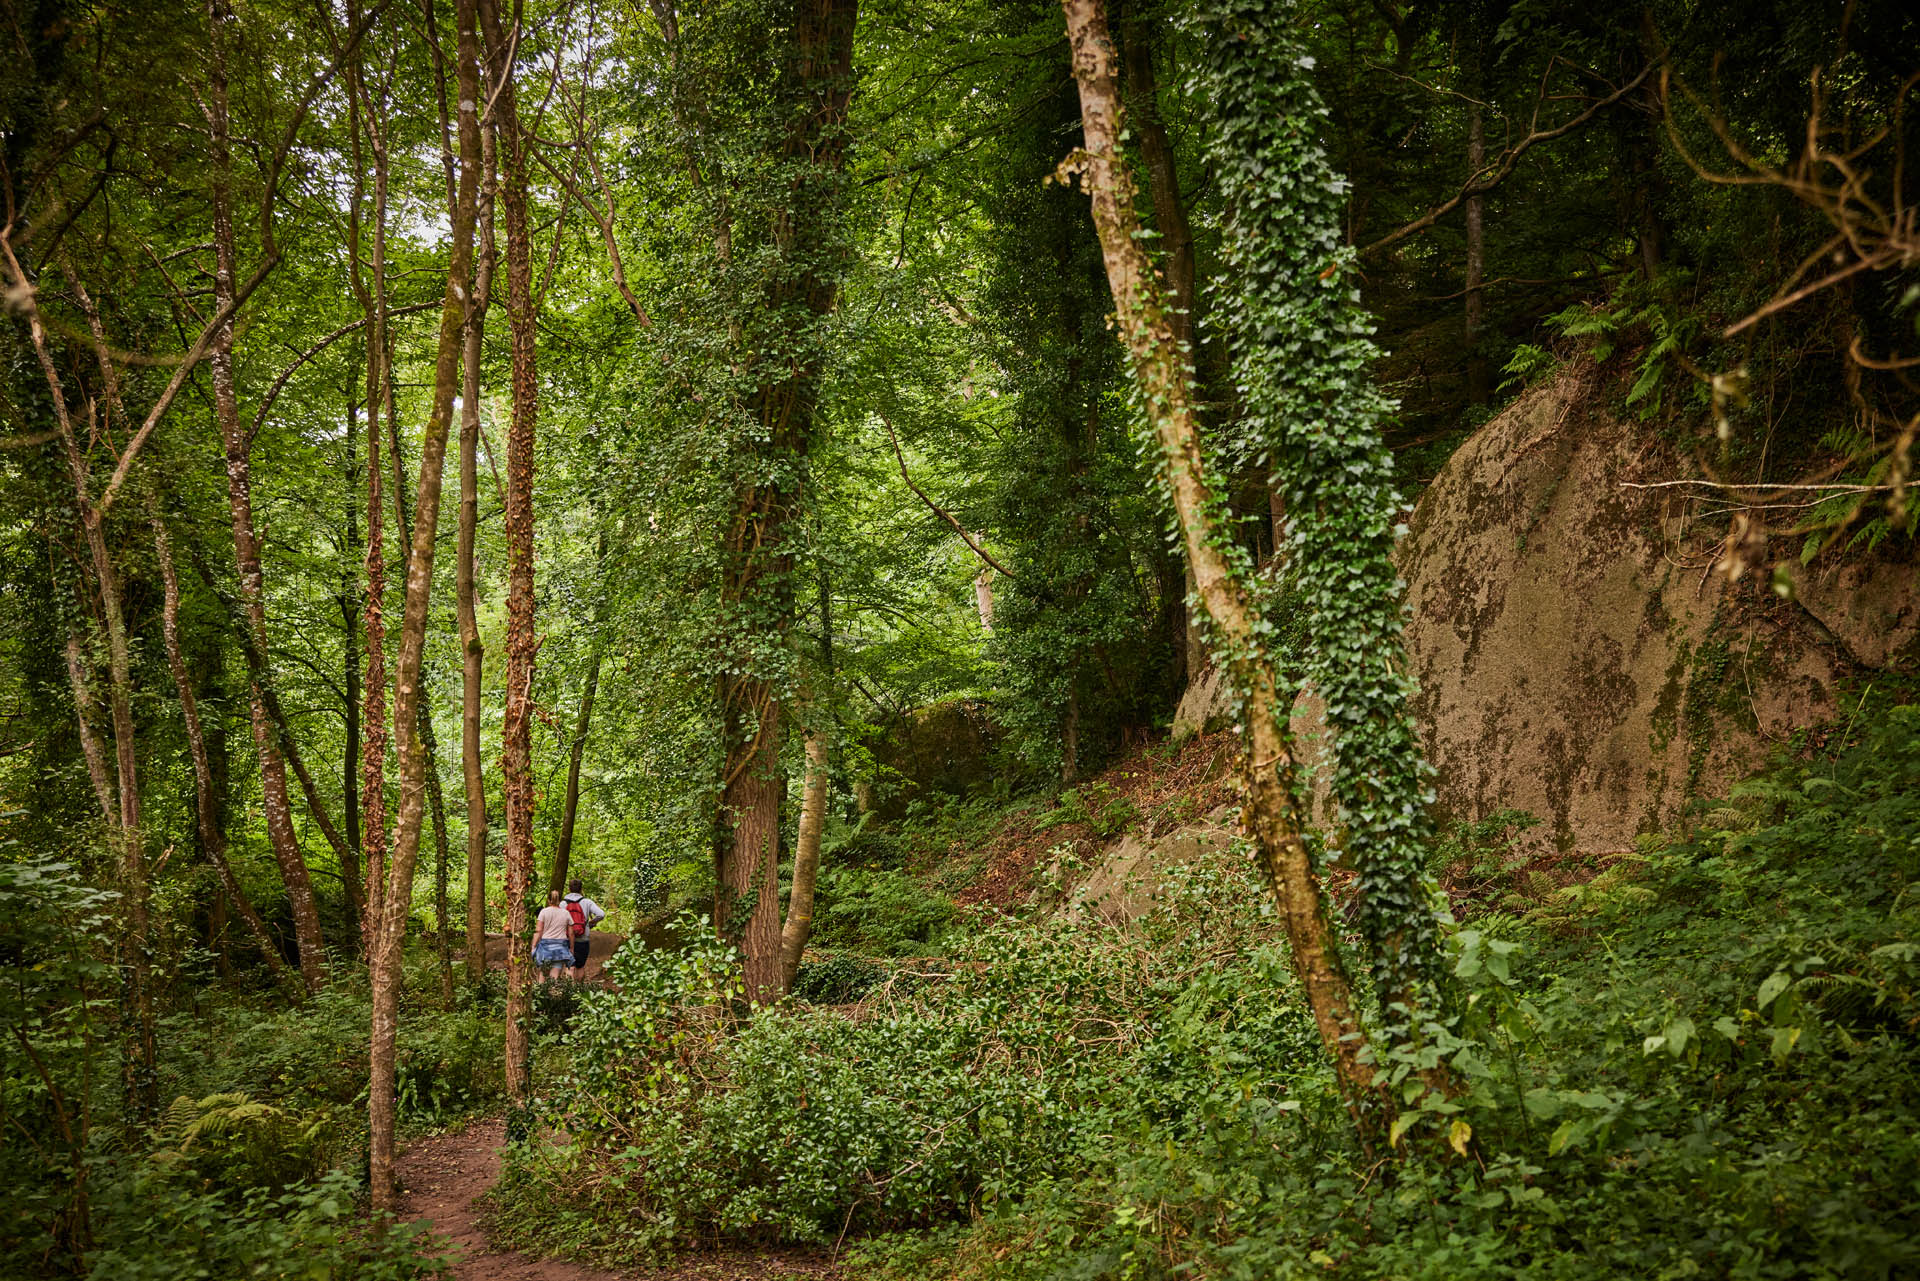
(946, 747)
(1578, 652)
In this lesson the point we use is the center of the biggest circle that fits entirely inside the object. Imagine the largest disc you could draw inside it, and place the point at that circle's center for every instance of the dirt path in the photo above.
(442, 1176)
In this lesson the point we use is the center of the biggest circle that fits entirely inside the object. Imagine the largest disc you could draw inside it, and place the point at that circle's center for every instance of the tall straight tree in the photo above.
(411, 755)
(472, 652)
(516, 757)
(788, 196)
(238, 446)
(1220, 567)
(366, 129)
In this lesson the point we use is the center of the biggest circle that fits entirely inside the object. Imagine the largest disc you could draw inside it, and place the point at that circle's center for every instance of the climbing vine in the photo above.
(1311, 412)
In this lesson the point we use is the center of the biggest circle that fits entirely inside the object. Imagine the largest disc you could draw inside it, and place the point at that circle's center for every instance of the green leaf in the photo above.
(1679, 1033)
(1776, 983)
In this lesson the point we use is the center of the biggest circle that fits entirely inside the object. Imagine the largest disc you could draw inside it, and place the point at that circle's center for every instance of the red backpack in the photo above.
(579, 915)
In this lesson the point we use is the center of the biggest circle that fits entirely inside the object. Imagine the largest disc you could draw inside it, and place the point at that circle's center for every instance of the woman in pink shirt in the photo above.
(553, 938)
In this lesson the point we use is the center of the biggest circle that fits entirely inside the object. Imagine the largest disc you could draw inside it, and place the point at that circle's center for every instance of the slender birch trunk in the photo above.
(397, 900)
(806, 860)
(1161, 369)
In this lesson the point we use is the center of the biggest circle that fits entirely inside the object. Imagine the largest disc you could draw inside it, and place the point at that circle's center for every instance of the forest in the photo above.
(959, 640)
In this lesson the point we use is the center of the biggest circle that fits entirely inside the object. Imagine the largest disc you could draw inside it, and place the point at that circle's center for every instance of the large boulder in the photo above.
(1578, 652)
(1581, 655)
(946, 747)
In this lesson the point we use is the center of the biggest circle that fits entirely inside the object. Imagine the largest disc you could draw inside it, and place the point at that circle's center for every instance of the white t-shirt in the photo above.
(555, 923)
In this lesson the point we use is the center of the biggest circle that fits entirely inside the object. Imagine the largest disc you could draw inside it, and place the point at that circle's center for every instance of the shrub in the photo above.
(153, 1229)
(835, 980)
(881, 913)
(1714, 1074)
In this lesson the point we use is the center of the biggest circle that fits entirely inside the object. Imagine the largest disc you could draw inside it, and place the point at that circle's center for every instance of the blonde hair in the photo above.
(553, 898)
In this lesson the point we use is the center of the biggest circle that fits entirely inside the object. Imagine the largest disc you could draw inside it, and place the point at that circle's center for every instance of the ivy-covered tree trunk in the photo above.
(213, 837)
(1219, 566)
(1302, 360)
(814, 87)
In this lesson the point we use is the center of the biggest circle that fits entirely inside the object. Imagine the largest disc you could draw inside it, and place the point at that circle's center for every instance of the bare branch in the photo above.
(1502, 167)
(936, 508)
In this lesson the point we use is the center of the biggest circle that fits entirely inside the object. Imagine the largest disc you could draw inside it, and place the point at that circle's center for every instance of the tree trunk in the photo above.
(1478, 376)
(570, 806)
(1163, 177)
(1266, 763)
(213, 838)
(806, 860)
(437, 803)
(1176, 244)
(371, 291)
(516, 764)
(390, 940)
(472, 653)
(429, 742)
(759, 565)
(120, 802)
(246, 544)
(90, 748)
(747, 895)
(350, 664)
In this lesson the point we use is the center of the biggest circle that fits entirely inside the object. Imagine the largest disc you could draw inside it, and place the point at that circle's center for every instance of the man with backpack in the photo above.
(585, 914)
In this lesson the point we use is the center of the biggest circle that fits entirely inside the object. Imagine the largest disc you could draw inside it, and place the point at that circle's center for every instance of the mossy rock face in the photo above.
(947, 747)
(1577, 655)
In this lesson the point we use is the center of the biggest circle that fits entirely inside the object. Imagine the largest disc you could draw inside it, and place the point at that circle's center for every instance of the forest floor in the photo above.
(443, 1177)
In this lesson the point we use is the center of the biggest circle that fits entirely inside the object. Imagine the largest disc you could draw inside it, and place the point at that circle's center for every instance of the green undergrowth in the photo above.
(1701, 1063)
(256, 1163)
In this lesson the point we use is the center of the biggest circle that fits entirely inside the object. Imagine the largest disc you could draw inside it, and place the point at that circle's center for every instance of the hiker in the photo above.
(585, 914)
(552, 948)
